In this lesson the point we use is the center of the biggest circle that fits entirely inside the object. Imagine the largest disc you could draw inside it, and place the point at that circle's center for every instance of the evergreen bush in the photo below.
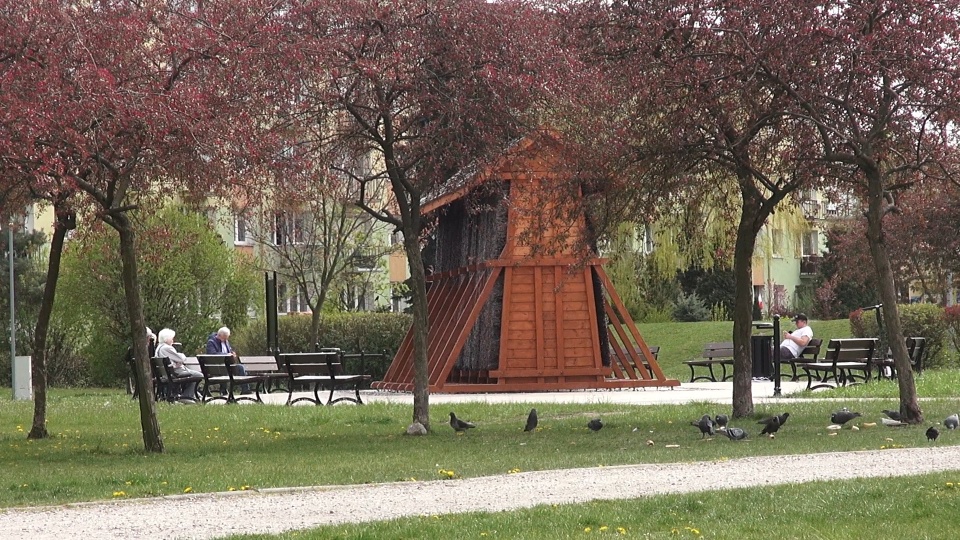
(690, 308)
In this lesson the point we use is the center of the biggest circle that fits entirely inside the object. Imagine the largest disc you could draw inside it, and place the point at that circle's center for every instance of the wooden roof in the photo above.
(471, 176)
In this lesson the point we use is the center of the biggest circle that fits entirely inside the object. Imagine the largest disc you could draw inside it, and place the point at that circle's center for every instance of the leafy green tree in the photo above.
(191, 282)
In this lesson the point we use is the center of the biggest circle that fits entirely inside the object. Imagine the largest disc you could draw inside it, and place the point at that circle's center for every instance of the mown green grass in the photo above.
(920, 507)
(682, 341)
(95, 451)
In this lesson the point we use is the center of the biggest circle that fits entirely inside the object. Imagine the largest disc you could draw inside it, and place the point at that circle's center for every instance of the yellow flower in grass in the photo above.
(119, 494)
(949, 484)
(245, 487)
(603, 528)
(621, 530)
(231, 488)
(587, 529)
(188, 489)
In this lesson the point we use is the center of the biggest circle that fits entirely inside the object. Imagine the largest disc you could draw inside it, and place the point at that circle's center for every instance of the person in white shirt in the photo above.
(166, 350)
(794, 342)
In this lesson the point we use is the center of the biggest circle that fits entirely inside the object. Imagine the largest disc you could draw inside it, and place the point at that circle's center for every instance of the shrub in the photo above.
(690, 308)
(926, 320)
(351, 331)
(951, 317)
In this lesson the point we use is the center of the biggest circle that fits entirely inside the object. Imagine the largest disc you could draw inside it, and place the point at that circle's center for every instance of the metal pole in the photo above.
(776, 356)
(13, 320)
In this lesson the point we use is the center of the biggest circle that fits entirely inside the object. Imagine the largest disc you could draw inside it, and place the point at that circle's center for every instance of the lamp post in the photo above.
(13, 320)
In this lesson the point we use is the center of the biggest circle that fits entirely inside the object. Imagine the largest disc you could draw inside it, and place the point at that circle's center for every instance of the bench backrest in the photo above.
(316, 363)
(851, 350)
(812, 350)
(158, 367)
(259, 364)
(215, 365)
(723, 349)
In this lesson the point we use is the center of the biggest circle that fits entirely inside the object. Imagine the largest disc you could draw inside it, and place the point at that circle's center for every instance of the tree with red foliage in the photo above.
(703, 119)
(123, 102)
(424, 87)
(883, 93)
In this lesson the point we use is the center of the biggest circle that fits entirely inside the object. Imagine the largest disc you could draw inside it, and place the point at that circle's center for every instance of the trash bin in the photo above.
(761, 347)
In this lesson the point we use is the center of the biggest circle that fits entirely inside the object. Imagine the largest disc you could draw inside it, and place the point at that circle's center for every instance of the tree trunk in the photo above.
(152, 441)
(65, 221)
(418, 286)
(909, 405)
(743, 307)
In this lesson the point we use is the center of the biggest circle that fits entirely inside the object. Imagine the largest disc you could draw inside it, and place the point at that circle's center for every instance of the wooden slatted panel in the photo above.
(442, 332)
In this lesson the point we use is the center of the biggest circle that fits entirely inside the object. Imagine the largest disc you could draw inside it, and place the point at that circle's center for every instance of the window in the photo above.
(810, 244)
(241, 231)
(776, 242)
(648, 243)
(289, 229)
(292, 299)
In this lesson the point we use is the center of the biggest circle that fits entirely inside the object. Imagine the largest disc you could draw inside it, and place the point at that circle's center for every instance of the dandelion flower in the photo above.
(603, 528)
(587, 529)
(119, 494)
(188, 489)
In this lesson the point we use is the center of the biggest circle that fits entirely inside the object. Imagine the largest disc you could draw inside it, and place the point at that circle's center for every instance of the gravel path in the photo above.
(287, 509)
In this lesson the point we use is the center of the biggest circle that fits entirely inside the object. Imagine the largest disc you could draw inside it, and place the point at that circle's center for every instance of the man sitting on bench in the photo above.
(794, 342)
(219, 343)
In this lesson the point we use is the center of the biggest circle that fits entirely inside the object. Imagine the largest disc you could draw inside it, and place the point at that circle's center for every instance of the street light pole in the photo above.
(13, 320)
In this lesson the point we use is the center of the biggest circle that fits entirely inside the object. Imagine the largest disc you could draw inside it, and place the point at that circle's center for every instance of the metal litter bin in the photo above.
(761, 351)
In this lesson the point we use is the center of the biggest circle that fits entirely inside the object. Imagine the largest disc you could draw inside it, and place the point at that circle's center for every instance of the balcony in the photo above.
(810, 265)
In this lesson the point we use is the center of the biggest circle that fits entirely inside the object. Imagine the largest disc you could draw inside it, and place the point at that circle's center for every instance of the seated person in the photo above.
(219, 343)
(794, 342)
(166, 350)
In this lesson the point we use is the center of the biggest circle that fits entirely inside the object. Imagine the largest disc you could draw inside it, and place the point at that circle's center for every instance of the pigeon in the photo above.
(595, 424)
(932, 434)
(952, 422)
(459, 425)
(772, 425)
(705, 424)
(893, 415)
(736, 434)
(531, 421)
(843, 416)
(721, 421)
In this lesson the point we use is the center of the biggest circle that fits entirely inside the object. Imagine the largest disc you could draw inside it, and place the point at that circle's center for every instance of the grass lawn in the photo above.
(917, 507)
(95, 451)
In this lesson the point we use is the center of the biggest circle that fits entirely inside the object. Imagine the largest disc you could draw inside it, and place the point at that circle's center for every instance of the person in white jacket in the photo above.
(165, 350)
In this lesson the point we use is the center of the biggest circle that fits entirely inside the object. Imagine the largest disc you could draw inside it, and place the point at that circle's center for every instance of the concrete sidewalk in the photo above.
(719, 392)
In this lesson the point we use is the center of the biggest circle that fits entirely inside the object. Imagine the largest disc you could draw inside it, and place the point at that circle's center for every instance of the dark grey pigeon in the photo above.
(705, 424)
(736, 434)
(531, 421)
(893, 415)
(932, 434)
(459, 425)
(721, 421)
(952, 422)
(843, 416)
(595, 424)
(772, 424)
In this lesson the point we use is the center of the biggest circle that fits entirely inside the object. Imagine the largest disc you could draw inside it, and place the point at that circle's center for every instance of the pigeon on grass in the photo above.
(932, 433)
(459, 425)
(952, 422)
(843, 416)
(705, 424)
(532, 421)
(721, 421)
(893, 415)
(772, 424)
(736, 434)
(595, 424)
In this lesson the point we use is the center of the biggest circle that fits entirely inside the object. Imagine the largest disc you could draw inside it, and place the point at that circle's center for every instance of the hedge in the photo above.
(374, 333)
(922, 320)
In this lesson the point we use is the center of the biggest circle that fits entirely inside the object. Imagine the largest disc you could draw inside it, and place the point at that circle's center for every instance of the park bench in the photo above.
(810, 353)
(714, 354)
(217, 371)
(267, 367)
(320, 371)
(915, 350)
(165, 383)
(846, 361)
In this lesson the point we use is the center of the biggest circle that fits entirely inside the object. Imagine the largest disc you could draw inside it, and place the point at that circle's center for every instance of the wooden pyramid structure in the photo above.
(508, 316)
